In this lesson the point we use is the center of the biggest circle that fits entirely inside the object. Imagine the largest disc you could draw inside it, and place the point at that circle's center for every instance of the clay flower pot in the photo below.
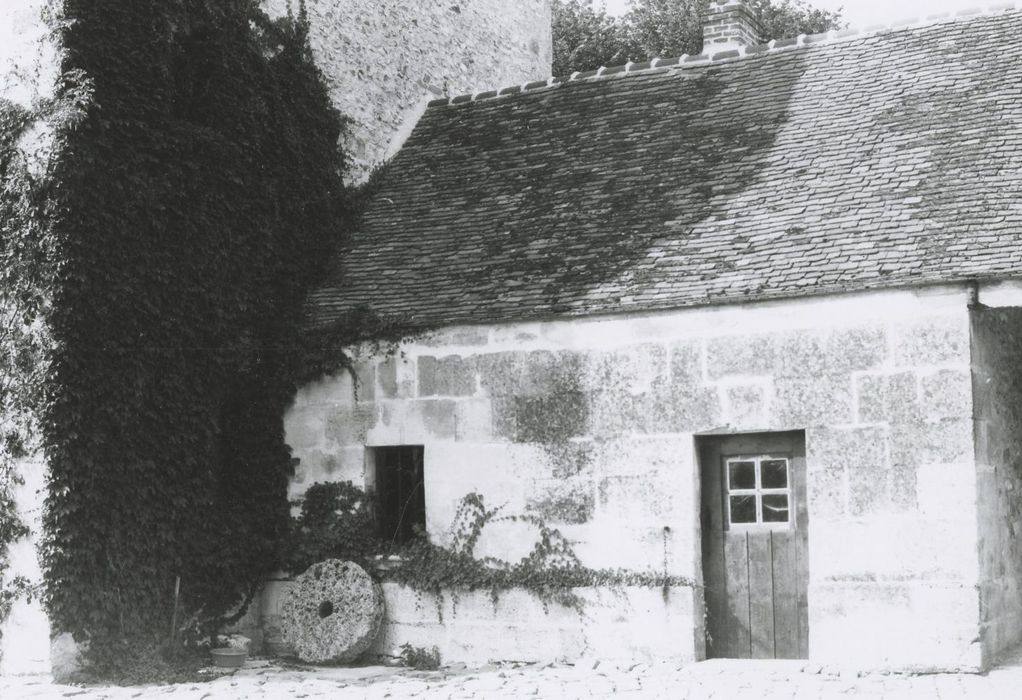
(229, 657)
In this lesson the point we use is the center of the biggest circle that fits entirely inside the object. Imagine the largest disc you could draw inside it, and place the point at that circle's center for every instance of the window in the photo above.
(397, 477)
(758, 491)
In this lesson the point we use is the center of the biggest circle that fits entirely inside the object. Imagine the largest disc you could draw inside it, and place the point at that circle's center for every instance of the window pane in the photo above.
(775, 508)
(743, 509)
(774, 473)
(743, 475)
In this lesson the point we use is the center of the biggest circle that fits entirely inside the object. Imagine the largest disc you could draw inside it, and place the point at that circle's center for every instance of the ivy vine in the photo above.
(336, 522)
(190, 207)
(27, 268)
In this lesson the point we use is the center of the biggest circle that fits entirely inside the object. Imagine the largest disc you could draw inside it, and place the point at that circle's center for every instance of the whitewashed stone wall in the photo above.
(590, 424)
(628, 623)
(379, 56)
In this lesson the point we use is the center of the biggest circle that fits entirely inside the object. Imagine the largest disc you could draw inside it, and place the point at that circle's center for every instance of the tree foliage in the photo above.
(26, 272)
(586, 37)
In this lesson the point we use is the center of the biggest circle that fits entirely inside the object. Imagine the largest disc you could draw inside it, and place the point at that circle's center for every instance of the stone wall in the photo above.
(630, 623)
(997, 387)
(379, 56)
(589, 423)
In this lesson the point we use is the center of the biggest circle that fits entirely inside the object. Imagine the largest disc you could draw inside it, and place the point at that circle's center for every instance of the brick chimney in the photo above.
(729, 24)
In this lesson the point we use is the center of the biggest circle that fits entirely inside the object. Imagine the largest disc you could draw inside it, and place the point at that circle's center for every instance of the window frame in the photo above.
(758, 492)
(390, 518)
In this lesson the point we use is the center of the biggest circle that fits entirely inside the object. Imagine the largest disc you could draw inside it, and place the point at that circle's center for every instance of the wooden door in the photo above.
(755, 545)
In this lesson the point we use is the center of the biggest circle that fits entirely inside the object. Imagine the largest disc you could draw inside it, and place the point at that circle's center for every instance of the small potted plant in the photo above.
(230, 651)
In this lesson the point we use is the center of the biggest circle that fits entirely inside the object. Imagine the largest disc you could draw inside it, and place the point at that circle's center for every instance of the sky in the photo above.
(865, 13)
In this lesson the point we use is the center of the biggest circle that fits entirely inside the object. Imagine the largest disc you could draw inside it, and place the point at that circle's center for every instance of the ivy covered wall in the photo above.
(189, 206)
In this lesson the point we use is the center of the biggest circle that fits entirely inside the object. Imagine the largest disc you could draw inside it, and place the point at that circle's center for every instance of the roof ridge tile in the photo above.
(685, 61)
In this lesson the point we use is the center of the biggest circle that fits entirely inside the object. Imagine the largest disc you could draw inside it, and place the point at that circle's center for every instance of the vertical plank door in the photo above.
(755, 534)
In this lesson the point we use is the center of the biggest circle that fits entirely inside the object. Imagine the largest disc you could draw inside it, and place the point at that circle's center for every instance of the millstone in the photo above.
(332, 613)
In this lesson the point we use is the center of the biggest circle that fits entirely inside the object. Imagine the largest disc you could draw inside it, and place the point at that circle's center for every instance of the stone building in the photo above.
(751, 318)
(384, 60)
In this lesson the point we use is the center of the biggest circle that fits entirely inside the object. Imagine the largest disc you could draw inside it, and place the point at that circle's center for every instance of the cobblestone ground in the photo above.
(719, 680)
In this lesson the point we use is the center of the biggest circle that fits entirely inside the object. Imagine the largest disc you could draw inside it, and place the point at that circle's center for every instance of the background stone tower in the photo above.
(380, 58)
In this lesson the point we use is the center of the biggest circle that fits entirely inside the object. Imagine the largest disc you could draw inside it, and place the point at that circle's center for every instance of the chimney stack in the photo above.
(728, 25)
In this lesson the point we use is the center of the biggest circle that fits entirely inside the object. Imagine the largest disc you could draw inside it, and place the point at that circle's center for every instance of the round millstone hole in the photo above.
(332, 613)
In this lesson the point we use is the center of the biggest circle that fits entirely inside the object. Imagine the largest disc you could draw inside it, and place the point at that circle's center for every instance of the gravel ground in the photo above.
(718, 679)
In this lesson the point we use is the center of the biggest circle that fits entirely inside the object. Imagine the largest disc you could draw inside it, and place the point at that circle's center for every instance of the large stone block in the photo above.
(444, 497)
(895, 626)
(902, 483)
(364, 373)
(746, 406)
(937, 548)
(342, 464)
(827, 490)
(653, 457)
(848, 470)
(474, 420)
(946, 394)
(890, 397)
(616, 413)
(641, 624)
(686, 362)
(651, 547)
(933, 341)
(406, 605)
(553, 418)
(424, 635)
(446, 376)
(941, 442)
(333, 389)
(503, 418)
(537, 372)
(477, 464)
(741, 355)
(507, 540)
(692, 408)
(633, 370)
(864, 448)
(869, 490)
(568, 459)
(563, 501)
(830, 352)
(348, 425)
(438, 418)
(641, 499)
(674, 408)
(480, 643)
(305, 426)
(414, 421)
(810, 401)
(948, 491)
(396, 377)
(461, 336)
(500, 373)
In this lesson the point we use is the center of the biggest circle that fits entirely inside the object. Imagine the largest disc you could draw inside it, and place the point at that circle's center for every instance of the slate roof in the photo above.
(828, 164)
